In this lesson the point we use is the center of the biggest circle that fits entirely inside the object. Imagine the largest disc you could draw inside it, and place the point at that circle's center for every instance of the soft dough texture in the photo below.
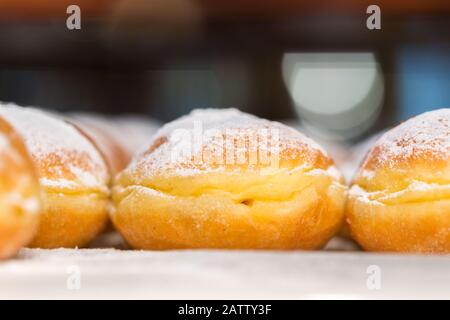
(226, 193)
(72, 174)
(400, 198)
(19, 193)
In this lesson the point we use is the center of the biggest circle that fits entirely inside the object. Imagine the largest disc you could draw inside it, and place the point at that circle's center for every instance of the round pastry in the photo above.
(19, 193)
(72, 174)
(225, 179)
(400, 198)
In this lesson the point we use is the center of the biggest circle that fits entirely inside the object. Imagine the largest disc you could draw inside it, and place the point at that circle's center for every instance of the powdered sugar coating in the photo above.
(292, 146)
(59, 151)
(424, 136)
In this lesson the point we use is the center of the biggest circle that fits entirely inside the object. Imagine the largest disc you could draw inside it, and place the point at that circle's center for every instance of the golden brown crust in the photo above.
(19, 193)
(400, 198)
(416, 227)
(165, 202)
(70, 220)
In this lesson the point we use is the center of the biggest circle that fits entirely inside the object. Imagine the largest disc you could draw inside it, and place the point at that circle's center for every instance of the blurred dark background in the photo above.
(289, 60)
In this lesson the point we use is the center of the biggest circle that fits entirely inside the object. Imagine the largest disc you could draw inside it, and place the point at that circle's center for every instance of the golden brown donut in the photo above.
(19, 193)
(400, 198)
(248, 184)
(72, 174)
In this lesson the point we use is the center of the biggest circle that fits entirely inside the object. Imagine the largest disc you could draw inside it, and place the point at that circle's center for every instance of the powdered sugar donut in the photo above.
(19, 193)
(225, 179)
(72, 174)
(400, 198)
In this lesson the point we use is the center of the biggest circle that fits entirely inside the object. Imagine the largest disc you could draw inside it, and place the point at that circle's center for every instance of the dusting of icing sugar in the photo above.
(363, 195)
(426, 134)
(149, 191)
(61, 183)
(207, 140)
(422, 186)
(46, 136)
(367, 174)
(331, 171)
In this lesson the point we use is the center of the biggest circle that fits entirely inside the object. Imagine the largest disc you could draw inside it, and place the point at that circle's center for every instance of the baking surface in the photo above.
(203, 274)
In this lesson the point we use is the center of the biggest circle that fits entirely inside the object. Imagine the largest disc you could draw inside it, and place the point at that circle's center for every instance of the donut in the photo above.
(228, 180)
(72, 175)
(399, 200)
(19, 193)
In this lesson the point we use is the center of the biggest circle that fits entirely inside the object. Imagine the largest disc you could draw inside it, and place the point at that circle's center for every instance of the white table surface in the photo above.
(203, 274)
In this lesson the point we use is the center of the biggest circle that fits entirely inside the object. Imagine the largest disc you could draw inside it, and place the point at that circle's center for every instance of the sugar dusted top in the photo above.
(64, 158)
(225, 140)
(424, 136)
(416, 152)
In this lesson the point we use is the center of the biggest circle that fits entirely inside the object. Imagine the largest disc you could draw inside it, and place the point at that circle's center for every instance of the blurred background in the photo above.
(313, 64)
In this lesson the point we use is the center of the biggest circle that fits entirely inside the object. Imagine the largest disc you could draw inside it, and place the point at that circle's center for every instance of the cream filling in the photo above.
(417, 191)
(254, 192)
